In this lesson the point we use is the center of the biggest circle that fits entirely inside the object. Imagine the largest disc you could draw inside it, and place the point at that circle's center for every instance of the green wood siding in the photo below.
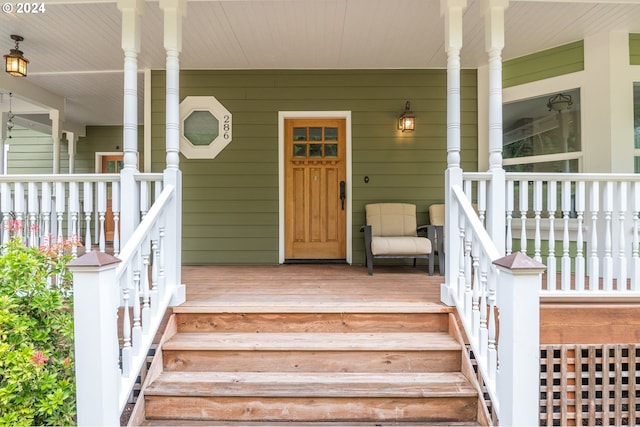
(103, 139)
(230, 204)
(549, 63)
(634, 49)
(31, 152)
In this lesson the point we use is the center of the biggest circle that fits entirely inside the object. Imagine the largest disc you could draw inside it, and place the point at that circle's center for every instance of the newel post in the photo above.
(95, 302)
(518, 376)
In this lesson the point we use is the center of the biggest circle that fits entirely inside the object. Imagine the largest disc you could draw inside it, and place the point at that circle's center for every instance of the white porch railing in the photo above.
(584, 227)
(46, 210)
(118, 349)
(482, 284)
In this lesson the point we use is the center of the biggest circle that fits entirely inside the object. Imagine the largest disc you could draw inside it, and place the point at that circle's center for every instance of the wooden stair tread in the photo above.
(249, 423)
(396, 341)
(330, 384)
(315, 306)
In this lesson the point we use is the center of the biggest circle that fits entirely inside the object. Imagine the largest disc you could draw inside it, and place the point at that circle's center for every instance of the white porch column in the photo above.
(131, 10)
(173, 10)
(494, 39)
(54, 115)
(452, 12)
(607, 104)
(518, 376)
(72, 140)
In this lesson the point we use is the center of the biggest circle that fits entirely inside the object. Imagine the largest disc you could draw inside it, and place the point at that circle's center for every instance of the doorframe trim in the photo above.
(282, 115)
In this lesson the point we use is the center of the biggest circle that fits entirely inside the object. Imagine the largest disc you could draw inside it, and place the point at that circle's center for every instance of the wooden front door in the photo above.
(315, 189)
(110, 164)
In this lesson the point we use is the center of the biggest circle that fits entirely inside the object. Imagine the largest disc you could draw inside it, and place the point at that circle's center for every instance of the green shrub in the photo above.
(37, 379)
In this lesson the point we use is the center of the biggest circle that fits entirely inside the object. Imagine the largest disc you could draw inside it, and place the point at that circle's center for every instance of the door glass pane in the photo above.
(111, 166)
(330, 134)
(315, 150)
(299, 150)
(299, 134)
(331, 150)
(315, 134)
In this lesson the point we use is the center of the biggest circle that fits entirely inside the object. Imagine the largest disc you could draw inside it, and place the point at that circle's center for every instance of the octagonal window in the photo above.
(201, 128)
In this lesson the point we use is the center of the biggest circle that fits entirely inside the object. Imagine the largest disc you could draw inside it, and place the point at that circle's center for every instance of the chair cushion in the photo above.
(404, 245)
(436, 214)
(392, 219)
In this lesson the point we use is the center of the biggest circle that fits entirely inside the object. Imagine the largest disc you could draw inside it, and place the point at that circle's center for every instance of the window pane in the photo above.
(299, 134)
(299, 150)
(315, 150)
(547, 124)
(557, 166)
(636, 164)
(315, 134)
(331, 150)
(201, 128)
(330, 134)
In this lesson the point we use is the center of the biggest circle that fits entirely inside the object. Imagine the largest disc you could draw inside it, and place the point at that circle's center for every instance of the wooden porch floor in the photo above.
(311, 287)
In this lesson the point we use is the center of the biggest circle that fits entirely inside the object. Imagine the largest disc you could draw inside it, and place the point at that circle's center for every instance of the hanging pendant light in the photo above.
(15, 63)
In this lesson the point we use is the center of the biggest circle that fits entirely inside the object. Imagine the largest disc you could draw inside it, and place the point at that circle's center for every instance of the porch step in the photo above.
(303, 369)
(340, 321)
(311, 396)
(313, 352)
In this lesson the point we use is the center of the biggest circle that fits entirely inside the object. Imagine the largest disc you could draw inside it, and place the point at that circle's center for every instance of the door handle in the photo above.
(343, 193)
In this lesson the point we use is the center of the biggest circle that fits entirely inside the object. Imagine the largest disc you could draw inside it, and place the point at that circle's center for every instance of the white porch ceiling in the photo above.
(74, 47)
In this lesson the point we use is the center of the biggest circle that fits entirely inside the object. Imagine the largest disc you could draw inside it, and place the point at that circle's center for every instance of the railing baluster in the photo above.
(483, 332)
(492, 355)
(102, 210)
(509, 206)
(87, 207)
(566, 260)
(482, 201)
(635, 255)
(144, 283)
(144, 198)
(594, 262)
(537, 209)
(136, 331)
(74, 209)
(34, 209)
(155, 263)
(580, 205)
(475, 301)
(607, 262)
(126, 327)
(552, 206)
(115, 208)
(524, 207)
(46, 215)
(19, 209)
(60, 210)
(622, 257)
(5, 201)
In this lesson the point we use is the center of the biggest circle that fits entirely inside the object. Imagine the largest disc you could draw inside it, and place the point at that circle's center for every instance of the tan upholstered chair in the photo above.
(391, 231)
(435, 232)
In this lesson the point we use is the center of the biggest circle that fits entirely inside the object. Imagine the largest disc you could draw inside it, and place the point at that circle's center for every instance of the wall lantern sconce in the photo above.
(15, 63)
(559, 102)
(407, 121)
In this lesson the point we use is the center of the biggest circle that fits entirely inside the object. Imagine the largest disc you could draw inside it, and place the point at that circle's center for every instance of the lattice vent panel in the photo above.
(590, 385)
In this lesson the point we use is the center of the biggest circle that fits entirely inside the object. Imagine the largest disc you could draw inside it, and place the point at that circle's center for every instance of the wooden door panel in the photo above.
(110, 164)
(315, 220)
